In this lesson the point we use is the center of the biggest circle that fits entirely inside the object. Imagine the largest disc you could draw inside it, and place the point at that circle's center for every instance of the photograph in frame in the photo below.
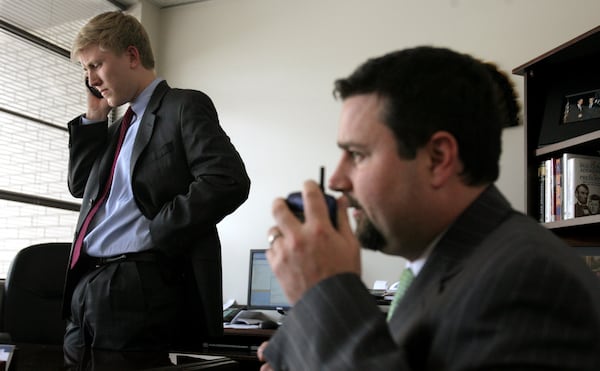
(581, 107)
(559, 122)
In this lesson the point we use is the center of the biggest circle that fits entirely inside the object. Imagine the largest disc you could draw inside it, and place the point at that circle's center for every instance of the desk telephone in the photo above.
(242, 316)
(230, 313)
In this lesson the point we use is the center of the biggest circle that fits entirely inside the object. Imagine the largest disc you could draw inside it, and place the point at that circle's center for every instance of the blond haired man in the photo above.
(145, 268)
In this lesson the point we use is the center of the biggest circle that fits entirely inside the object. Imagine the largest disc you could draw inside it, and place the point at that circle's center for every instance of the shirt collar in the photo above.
(416, 265)
(139, 104)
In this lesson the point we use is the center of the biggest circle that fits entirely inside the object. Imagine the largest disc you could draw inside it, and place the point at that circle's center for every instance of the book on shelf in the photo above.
(558, 188)
(542, 190)
(581, 176)
(550, 178)
(549, 214)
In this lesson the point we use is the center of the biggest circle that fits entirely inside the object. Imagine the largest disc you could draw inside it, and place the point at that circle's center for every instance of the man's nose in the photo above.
(339, 181)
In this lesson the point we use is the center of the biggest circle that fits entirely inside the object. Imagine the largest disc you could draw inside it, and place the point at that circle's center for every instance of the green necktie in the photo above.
(406, 279)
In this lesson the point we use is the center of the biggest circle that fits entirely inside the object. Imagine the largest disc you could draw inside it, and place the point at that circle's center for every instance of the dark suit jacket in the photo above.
(498, 292)
(186, 177)
(575, 113)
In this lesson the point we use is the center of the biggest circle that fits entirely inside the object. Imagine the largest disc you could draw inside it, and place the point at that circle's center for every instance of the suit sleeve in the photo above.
(525, 312)
(86, 144)
(335, 326)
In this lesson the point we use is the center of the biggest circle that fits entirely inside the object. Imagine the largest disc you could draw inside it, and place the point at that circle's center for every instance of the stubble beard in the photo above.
(369, 236)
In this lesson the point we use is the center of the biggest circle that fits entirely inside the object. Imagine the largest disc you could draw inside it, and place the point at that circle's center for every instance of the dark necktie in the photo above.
(86, 223)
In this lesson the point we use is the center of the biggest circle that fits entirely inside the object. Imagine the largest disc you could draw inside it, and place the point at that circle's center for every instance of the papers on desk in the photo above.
(176, 358)
(6, 353)
(239, 325)
(247, 319)
(382, 292)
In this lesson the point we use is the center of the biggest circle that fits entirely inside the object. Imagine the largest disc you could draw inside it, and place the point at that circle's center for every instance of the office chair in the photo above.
(33, 294)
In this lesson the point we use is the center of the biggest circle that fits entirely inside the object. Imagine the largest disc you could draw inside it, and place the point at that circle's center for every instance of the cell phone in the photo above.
(95, 92)
(296, 204)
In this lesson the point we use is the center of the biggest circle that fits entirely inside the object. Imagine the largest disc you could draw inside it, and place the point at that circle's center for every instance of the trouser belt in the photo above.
(143, 256)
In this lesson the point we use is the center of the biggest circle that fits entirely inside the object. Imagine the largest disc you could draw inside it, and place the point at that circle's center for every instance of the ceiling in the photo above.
(162, 3)
(58, 21)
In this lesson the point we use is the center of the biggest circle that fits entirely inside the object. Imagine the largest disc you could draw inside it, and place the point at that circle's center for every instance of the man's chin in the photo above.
(369, 237)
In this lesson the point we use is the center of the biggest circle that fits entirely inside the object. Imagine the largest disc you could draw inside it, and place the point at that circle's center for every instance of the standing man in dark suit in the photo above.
(492, 290)
(145, 270)
(576, 111)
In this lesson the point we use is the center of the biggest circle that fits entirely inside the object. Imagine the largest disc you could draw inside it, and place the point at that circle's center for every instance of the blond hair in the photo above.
(115, 32)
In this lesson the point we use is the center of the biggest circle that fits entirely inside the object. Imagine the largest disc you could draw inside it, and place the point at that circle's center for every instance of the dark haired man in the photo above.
(491, 289)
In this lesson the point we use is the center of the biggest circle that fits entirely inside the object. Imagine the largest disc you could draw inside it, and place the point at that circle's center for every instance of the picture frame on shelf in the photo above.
(580, 107)
(559, 120)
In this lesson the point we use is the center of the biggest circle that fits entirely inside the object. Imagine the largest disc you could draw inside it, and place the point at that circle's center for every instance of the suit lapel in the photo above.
(146, 127)
(448, 256)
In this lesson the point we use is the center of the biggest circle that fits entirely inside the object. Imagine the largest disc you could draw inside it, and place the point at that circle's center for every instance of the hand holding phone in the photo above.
(95, 92)
(296, 204)
(98, 107)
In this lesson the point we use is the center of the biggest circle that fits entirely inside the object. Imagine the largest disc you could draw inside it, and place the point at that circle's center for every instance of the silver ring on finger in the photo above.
(273, 237)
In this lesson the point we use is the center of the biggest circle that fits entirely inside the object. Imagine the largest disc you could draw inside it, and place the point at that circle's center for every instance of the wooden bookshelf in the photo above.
(568, 69)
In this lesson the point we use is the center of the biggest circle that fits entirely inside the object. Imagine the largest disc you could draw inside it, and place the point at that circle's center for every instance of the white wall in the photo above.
(269, 67)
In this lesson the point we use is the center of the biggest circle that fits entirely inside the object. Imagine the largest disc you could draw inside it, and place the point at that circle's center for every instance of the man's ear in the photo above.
(443, 153)
(134, 56)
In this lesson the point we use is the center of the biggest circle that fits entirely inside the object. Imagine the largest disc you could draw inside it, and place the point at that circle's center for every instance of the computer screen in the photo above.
(264, 291)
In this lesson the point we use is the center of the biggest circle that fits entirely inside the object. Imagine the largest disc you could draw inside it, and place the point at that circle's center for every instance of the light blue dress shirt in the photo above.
(119, 226)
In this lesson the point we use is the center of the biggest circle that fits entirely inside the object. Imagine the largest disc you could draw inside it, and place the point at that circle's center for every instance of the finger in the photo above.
(284, 218)
(260, 351)
(315, 207)
(343, 222)
(273, 254)
(273, 234)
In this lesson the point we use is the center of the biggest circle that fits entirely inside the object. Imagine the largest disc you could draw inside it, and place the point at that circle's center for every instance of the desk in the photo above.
(239, 345)
(236, 350)
(36, 357)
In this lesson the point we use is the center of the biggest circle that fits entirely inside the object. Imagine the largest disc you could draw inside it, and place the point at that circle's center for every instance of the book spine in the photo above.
(565, 177)
(558, 212)
(549, 192)
(542, 190)
(569, 198)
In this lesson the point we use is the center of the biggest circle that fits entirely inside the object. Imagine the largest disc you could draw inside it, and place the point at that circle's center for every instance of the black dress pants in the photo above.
(125, 306)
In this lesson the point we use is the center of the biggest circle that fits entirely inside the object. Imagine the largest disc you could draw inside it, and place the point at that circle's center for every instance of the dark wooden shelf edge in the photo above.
(581, 221)
(571, 142)
(576, 242)
(521, 70)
